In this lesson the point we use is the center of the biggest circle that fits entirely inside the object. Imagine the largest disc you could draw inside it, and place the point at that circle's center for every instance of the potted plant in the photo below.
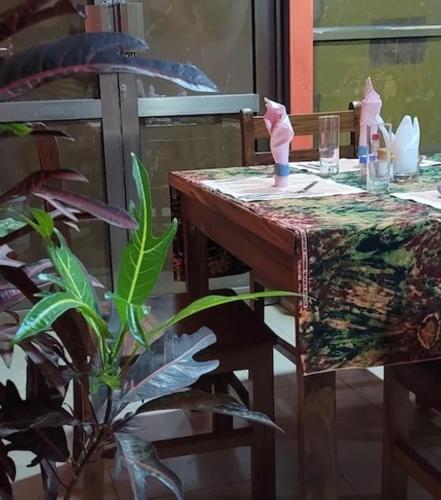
(68, 335)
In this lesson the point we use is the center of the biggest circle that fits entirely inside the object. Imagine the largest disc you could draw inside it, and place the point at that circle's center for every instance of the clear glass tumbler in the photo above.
(329, 144)
(379, 166)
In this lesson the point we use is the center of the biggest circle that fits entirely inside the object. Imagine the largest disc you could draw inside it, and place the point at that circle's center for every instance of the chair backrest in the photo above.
(253, 128)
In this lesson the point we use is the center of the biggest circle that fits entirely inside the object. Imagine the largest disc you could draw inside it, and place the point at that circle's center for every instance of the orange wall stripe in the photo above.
(301, 62)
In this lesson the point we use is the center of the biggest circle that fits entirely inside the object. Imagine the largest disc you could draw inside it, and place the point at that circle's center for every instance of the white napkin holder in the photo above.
(405, 148)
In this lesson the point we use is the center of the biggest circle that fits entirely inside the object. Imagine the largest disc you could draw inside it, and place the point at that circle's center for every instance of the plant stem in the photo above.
(94, 445)
(119, 341)
(88, 455)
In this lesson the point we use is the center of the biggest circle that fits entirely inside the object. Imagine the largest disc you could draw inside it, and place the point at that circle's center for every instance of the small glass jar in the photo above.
(379, 161)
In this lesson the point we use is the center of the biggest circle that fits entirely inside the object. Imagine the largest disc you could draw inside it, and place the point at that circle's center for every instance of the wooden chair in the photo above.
(253, 129)
(243, 343)
(400, 458)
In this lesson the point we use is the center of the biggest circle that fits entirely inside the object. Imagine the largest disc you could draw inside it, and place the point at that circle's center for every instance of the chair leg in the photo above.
(258, 305)
(221, 423)
(263, 470)
(397, 415)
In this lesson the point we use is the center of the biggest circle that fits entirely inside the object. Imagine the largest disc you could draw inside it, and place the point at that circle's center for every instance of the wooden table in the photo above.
(370, 262)
(269, 250)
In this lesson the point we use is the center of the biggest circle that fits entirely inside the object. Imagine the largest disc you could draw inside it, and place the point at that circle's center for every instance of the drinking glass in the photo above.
(379, 166)
(329, 144)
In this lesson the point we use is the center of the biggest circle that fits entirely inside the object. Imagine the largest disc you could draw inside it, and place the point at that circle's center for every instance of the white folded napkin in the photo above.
(370, 110)
(405, 146)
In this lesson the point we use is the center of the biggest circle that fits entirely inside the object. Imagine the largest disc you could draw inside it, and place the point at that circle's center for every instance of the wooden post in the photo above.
(301, 62)
(397, 416)
(317, 436)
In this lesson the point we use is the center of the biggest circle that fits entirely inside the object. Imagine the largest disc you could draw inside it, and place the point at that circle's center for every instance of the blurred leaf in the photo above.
(46, 353)
(50, 480)
(75, 278)
(34, 424)
(11, 296)
(44, 313)
(7, 473)
(7, 333)
(107, 213)
(30, 12)
(140, 460)
(44, 223)
(143, 258)
(71, 328)
(86, 53)
(208, 302)
(14, 129)
(37, 181)
(5, 250)
(9, 225)
(168, 366)
(134, 324)
(193, 400)
(37, 184)
(35, 129)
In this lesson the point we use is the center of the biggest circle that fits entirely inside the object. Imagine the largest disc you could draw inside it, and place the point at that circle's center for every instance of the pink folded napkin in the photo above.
(370, 110)
(280, 130)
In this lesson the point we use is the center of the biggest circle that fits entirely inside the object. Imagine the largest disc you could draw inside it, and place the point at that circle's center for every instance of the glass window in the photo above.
(84, 154)
(399, 12)
(406, 74)
(215, 36)
(46, 31)
(181, 144)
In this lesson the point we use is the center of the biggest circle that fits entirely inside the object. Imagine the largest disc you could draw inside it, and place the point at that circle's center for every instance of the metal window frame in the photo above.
(368, 32)
(119, 112)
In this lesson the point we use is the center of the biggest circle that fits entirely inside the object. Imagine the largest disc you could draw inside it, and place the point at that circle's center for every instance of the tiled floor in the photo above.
(226, 474)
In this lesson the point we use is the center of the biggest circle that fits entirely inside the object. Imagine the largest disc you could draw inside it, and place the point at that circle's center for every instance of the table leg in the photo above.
(317, 436)
(196, 265)
(397, 417)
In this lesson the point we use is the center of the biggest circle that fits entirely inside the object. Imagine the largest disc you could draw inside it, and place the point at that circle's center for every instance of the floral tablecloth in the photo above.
(373, 265)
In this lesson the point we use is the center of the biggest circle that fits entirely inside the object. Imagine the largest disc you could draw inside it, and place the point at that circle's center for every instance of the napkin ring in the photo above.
(281, 174)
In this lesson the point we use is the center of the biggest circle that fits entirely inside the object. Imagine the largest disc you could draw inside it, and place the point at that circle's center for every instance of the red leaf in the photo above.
(107, 213)
(31, 12)
(37, 181)
(87, 53)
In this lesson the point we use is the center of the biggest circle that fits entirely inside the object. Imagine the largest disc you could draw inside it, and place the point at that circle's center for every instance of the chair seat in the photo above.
(235, 324)
(421, 378)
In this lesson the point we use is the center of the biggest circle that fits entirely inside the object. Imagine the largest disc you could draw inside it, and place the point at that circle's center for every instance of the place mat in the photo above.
(345, 165)
(429, 163)
(431, 198)
(260, 188)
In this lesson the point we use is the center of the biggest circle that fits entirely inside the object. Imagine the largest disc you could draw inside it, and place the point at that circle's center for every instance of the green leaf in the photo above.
(9, 225)
(209, 302)
(44, 313)
(18, 129)
(140, 460)
(75, 277)
(44, 223)
(194, 400)
(168, 366)
(134, 323)
(144, 256)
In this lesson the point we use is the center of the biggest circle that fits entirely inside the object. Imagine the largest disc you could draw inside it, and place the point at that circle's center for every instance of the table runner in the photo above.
(371, 269)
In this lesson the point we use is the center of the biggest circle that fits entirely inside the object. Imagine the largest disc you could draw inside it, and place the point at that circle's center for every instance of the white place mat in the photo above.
(429, 163)
(430, 198)
(259, 188)
(345, 165)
